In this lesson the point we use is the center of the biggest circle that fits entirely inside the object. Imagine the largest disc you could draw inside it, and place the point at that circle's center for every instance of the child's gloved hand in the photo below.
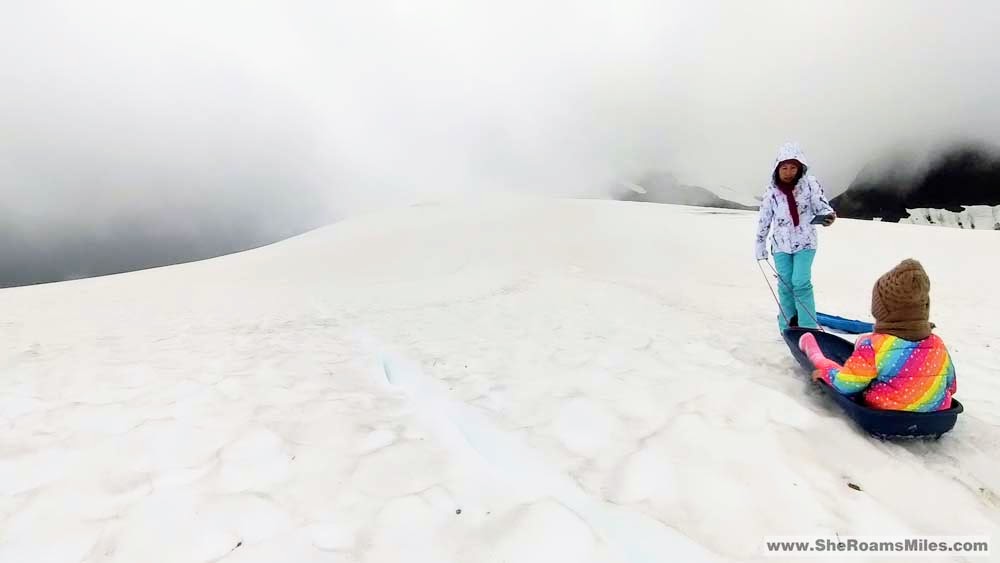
(820, 375)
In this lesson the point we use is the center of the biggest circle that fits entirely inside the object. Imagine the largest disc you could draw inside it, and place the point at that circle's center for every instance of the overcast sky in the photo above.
(267, 117)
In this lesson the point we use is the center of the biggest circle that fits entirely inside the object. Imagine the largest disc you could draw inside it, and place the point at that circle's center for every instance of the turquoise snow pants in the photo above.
(795, 289)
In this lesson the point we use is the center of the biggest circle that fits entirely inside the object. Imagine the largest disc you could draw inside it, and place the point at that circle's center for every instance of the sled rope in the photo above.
(773, 294)
(789, 288)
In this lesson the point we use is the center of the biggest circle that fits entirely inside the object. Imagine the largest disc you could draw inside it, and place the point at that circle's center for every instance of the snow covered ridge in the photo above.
(502, 379)
(663, 187)
(972, 217)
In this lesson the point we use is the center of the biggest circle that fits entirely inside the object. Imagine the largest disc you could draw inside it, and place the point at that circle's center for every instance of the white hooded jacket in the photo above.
(775, 217)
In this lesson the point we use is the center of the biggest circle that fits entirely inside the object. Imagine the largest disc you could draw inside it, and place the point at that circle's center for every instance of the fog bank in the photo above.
(185, 129)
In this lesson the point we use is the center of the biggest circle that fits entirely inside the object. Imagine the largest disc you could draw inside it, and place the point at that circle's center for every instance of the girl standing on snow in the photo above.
(791, 202)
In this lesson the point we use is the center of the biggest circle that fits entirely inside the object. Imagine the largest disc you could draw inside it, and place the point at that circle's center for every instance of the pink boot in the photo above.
(823, 365)
(808, 344)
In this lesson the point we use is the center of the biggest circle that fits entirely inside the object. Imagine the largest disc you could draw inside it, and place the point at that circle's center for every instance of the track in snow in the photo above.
(628, 535)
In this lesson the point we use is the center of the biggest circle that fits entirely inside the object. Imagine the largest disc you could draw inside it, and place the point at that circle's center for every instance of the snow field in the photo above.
(506, 379)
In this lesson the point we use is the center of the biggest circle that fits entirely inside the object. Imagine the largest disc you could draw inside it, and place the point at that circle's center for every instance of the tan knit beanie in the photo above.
(901, 302)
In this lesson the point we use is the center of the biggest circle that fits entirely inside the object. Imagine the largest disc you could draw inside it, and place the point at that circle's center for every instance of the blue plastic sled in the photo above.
(849, 326)
(882, 424)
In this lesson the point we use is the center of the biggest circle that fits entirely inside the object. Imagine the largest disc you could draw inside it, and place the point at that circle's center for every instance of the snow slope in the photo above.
(498, 380)
(750, 200)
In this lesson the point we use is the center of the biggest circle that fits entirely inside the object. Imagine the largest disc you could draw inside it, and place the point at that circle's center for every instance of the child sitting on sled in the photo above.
(902, 365)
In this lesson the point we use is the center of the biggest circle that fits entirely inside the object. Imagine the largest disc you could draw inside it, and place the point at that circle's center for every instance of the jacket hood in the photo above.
(789, 151)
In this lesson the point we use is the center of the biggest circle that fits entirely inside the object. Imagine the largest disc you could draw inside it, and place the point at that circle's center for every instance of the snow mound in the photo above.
(513, 379)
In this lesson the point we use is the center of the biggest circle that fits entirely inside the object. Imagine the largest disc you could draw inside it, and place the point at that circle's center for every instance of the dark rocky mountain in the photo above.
(962, 176)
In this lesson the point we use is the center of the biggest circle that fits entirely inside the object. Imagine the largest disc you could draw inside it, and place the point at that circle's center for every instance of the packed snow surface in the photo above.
(501, 380)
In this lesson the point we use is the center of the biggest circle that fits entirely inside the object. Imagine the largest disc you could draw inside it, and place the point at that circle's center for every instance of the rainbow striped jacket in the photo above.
(896, 374)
